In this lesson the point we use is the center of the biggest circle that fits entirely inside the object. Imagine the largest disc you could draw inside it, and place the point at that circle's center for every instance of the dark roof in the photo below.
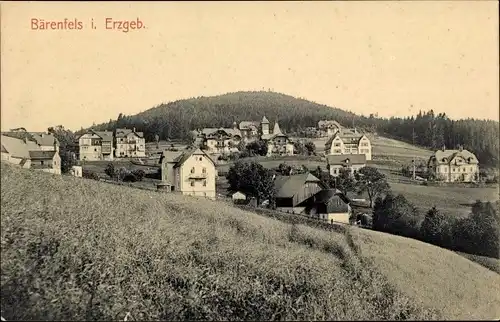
(105, 135)
(124, 132)
(343, 159)
(42, 155)
(446, 156)
(44, 139)
(322, 201)
(328, 124)
(324, 195)
(288, 186)
(187, 154)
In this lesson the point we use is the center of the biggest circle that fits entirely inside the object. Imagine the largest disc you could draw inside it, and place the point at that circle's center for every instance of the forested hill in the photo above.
(176, 119)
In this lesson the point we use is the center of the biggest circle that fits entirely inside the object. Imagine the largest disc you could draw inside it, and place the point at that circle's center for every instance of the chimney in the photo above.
(443, 148)
(133, 130)
(460, 147)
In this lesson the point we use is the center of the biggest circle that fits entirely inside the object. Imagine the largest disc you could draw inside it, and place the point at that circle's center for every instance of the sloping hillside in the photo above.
(78, 249)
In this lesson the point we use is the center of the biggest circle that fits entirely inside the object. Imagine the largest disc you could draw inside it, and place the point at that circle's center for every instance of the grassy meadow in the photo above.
(451, 200)
(77, 249)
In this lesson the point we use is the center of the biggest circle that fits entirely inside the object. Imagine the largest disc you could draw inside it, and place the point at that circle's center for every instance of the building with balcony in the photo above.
(454, 165)
(328, 128)
(96, 145)
(190, 172)
(129, 144)
(349, 141)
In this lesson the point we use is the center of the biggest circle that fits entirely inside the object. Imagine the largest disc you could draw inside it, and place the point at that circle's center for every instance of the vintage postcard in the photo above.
(280, 160)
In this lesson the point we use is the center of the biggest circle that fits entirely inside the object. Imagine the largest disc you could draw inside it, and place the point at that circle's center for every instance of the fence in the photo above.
(296, 219)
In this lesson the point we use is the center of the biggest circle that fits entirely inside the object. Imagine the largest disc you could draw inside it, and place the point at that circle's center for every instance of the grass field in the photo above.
(79, 249)
(451, 200)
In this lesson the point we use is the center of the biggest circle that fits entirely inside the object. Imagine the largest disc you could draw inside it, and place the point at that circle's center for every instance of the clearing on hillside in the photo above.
(79, 249)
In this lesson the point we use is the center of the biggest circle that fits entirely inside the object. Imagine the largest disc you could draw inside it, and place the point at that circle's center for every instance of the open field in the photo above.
(273, 162)
(79, 249)
(451, 200)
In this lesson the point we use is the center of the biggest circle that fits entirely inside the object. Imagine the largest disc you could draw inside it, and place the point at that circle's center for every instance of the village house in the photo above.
(227, 140)
(351, 162)
(328, 128)
(250, 130)
(29, 155)
(44, 141)
(129, 144)
(96, 145)
(15, 151)
(239, 197)
(278, 143)
(293, 190)
(349, 142)
(329, 205)
(190, 172)
(46, 161)
(454, 165)
(306, 194)
(76, 171)
(220, 140)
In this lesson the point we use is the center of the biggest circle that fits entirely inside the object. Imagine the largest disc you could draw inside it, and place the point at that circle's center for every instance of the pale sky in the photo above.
(366, 57)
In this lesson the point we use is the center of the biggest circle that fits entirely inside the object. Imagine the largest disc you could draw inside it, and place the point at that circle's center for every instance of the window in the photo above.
(41, 162)
(192, 183)
(192, 170)
(204, 170)
(335, 171)
(204, 183)
(337, 144)
(95, 149)
(200, 159)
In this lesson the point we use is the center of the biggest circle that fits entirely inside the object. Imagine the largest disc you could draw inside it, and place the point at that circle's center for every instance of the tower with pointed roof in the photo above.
(264, 125)
(277, 129)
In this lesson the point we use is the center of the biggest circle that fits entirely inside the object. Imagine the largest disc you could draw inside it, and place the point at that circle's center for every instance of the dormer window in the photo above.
(192, 170)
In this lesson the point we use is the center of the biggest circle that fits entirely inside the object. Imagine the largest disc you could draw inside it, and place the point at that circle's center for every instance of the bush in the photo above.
(396, 215)
(129, 177)
(479, 233)
(88, 174)
(436, 229)
(139, 174)
(110, 170)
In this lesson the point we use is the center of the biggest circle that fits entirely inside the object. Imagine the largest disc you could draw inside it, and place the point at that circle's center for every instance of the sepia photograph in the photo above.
(258, 161)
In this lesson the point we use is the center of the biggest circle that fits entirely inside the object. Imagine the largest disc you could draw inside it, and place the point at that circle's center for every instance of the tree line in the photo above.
(177, 119)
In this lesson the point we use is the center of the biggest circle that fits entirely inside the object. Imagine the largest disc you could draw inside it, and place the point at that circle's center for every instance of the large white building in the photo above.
(349, 142)
(129, 144)
(96, 145)
(454, 165)
(190, 172)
